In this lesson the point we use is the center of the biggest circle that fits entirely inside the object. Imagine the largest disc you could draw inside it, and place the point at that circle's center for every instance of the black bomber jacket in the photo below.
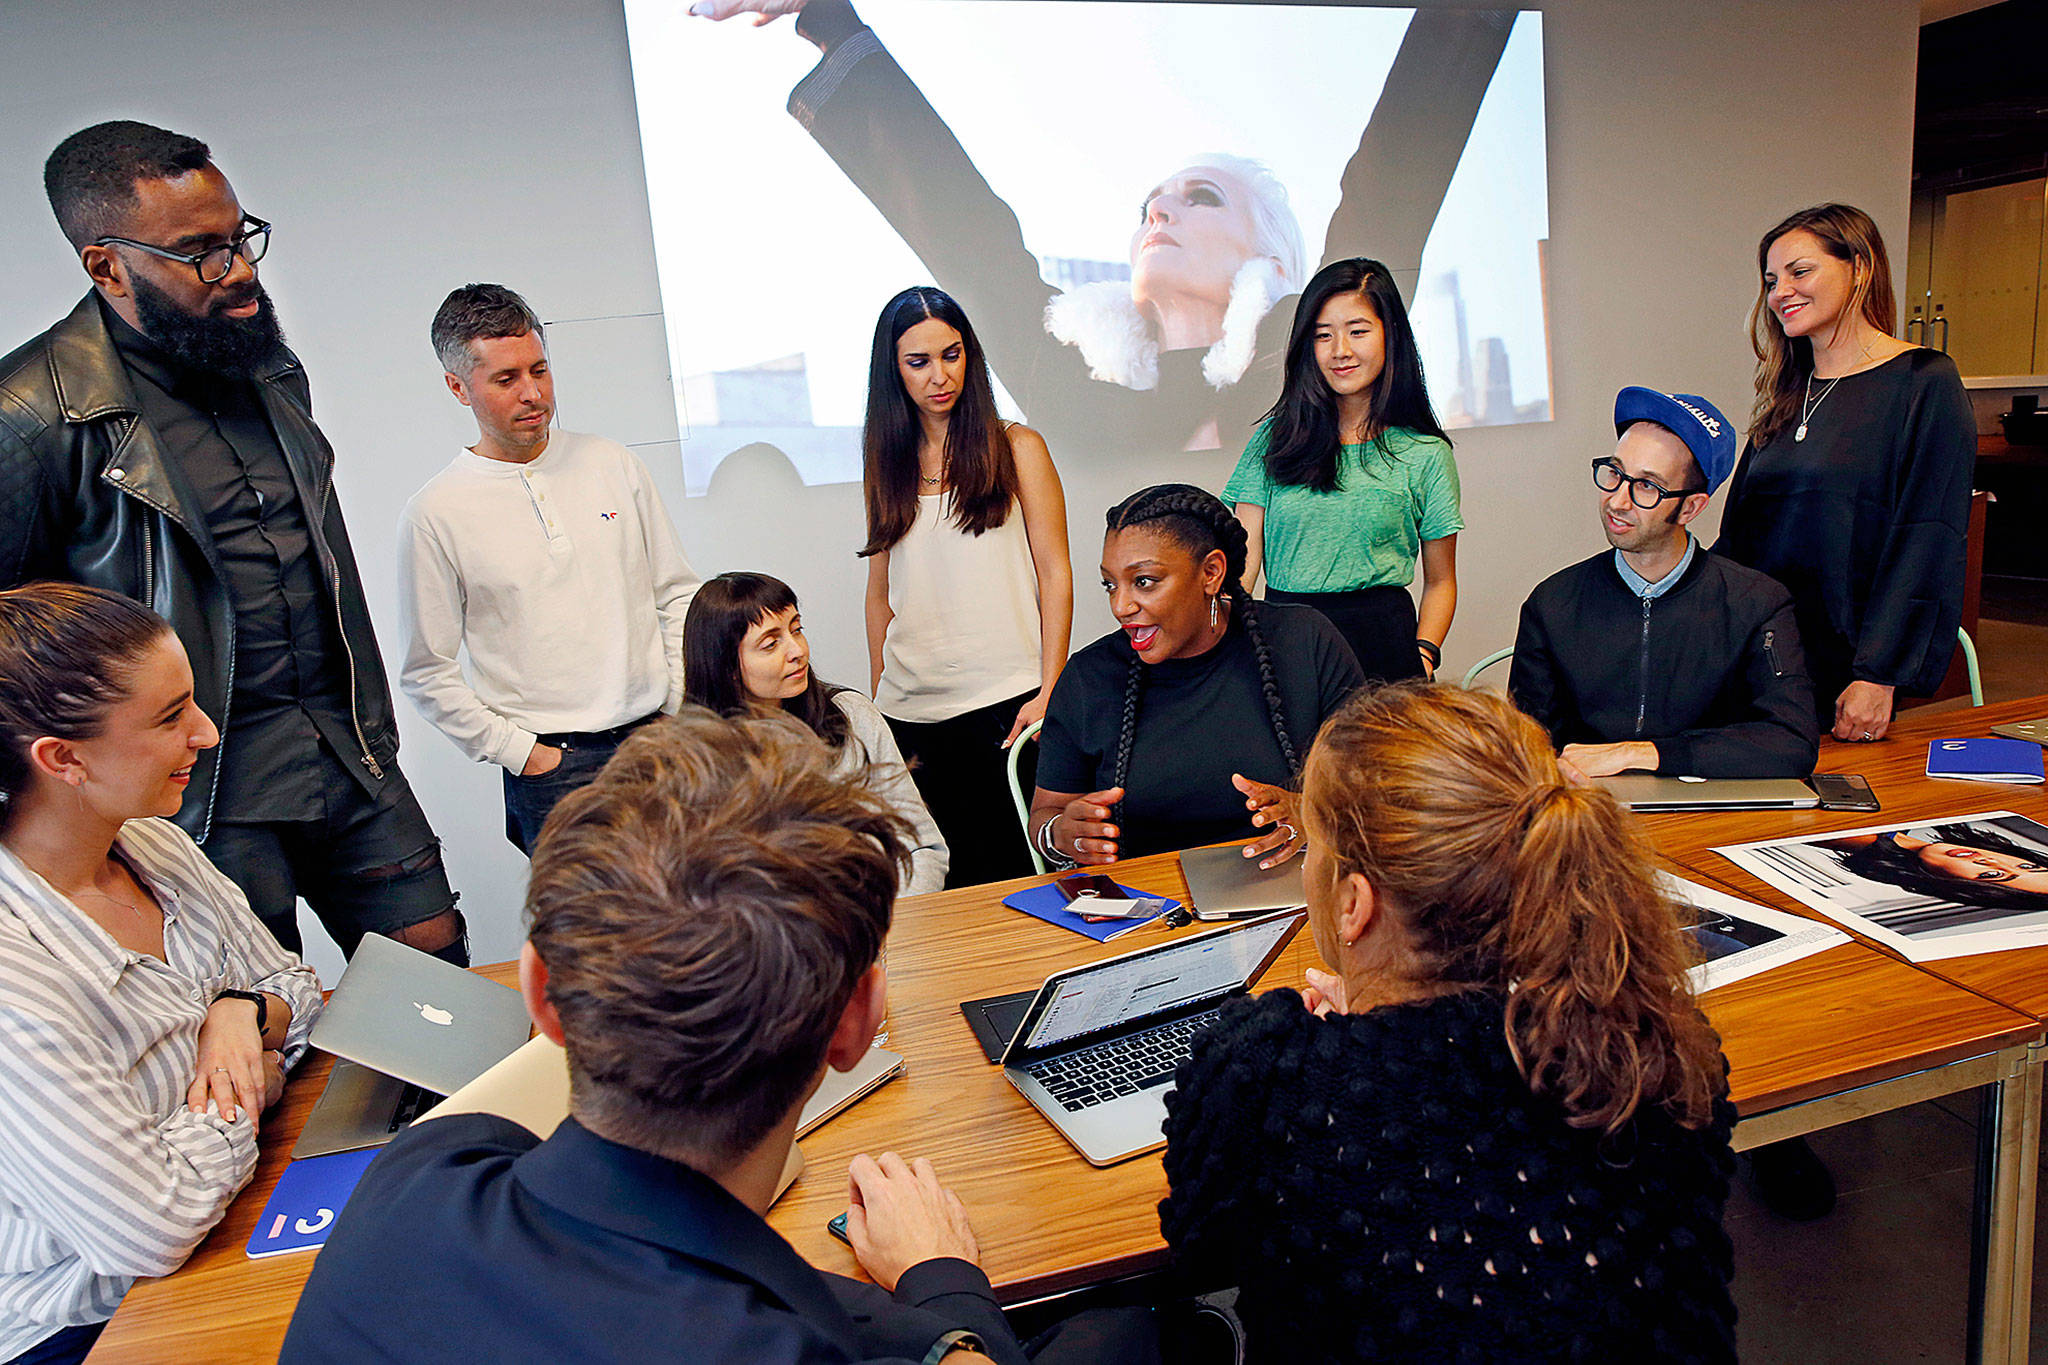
(1711, 670)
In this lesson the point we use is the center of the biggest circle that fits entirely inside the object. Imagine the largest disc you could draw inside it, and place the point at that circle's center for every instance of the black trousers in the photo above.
(961, 770)
(1378, 624)
(67, 1347)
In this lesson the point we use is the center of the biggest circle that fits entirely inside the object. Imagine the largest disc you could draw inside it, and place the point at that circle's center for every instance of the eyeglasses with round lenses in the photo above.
(213, 264)
(1608, 475)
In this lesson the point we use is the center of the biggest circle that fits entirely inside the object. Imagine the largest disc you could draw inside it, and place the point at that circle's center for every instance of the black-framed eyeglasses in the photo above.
(1644, 493)
(213, 264)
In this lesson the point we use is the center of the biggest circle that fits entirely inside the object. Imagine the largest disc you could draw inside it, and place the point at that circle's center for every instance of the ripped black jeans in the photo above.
(370, 865)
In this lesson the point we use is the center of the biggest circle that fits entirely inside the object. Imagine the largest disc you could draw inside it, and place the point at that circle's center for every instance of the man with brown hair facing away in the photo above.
(706, 919)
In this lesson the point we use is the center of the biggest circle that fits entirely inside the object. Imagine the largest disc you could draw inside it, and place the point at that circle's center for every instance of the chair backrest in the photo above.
(1472, 673)
(1969, 649)
(1018, 797)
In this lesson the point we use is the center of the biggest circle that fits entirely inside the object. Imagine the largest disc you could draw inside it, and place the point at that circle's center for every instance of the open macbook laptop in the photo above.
(408, 1029)
(1099, 1043)
(1223, 884)
(1649, 792)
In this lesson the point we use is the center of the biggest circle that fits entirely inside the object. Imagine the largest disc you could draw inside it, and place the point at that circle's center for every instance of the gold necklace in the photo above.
(1809, 405)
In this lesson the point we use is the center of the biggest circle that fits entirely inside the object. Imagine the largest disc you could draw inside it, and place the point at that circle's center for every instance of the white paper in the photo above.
(1758, 940)
(1109, 907)
(1948, 888)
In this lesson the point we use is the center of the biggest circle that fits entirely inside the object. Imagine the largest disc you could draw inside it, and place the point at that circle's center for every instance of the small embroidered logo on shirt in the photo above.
(609, 516)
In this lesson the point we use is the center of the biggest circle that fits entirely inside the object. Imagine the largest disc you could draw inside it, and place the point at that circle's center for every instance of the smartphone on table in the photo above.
(1844, 791)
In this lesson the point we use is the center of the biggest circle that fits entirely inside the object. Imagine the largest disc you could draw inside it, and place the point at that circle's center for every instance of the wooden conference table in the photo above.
(1845, 1033)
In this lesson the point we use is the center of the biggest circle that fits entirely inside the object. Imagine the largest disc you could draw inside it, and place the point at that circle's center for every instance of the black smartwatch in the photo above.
(261, 1002)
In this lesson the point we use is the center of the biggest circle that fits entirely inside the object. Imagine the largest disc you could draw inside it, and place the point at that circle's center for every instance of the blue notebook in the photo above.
(308, 1197)
(1985, 760)
(1046, 903)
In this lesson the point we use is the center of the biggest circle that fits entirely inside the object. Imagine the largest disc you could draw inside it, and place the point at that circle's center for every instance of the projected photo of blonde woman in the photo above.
(1134, 277)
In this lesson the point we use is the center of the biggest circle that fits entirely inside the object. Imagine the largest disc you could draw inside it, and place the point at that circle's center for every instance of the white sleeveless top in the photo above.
(965, 630)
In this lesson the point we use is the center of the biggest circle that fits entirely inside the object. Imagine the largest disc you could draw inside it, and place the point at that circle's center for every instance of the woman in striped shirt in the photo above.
(146, 1017)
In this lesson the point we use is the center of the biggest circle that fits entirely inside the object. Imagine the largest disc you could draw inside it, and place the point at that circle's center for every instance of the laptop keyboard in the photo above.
(1121, 1066)
(413, 1101)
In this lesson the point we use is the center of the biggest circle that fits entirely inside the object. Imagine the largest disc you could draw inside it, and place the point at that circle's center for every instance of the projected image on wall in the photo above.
(1126, 198)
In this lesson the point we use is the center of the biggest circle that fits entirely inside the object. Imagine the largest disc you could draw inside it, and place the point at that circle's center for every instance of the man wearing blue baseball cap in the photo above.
(1659, 655)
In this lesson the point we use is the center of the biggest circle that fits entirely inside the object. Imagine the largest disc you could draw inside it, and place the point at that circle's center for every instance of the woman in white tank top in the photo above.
(970, 595)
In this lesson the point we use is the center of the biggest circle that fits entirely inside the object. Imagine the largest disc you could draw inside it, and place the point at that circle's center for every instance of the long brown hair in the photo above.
(67, 656)
(1783, 364)
(981, 472)
(1511, 880)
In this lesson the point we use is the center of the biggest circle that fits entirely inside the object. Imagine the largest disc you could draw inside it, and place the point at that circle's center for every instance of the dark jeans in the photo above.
(1378, 624)
(962, 771)
(67, 1347)
(529, 799)
(369, 865)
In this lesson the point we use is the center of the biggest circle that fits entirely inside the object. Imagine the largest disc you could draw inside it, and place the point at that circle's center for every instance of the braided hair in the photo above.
(1197, 520)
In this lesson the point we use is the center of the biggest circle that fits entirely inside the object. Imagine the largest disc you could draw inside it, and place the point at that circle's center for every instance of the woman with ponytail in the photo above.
(1498, 1128)
(146, 1017)
(1186, 725)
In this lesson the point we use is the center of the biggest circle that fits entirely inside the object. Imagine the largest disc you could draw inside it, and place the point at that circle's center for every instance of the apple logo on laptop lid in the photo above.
(433, 1014)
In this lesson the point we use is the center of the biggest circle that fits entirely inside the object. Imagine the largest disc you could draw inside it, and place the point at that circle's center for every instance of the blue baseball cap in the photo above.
(1691, 418)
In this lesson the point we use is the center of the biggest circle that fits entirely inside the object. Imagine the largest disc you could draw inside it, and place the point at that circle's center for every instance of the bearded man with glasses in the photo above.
(159, 442)
(1658, 655)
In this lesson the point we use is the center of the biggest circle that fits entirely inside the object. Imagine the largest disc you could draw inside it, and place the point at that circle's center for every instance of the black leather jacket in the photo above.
(87, 496)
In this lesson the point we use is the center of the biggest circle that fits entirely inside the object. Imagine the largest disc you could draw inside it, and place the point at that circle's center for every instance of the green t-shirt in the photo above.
(1369, 530)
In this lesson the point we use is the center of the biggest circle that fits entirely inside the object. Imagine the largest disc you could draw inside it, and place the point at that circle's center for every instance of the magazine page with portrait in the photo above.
(1930, 889)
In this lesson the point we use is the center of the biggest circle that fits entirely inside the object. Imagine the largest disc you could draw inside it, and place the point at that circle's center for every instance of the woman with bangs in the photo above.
(744, 652)
(1498, 1127)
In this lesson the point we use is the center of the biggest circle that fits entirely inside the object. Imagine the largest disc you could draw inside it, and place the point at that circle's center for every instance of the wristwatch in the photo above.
(261, 1001)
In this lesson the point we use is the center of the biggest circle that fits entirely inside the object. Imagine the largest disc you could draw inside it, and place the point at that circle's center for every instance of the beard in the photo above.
(234, 348)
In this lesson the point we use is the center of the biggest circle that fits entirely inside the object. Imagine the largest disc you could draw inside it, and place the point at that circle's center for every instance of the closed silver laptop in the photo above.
(1099, 1045)
(1223, 884)
(1648, 792)
(408, 1029)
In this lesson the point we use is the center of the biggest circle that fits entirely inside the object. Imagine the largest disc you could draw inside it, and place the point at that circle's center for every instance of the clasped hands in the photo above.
(234, 1069)
(1084, 832)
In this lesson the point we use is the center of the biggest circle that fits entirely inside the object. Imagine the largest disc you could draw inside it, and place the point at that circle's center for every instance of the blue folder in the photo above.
(1985, 759)
(308, 1198)
(1046, 903)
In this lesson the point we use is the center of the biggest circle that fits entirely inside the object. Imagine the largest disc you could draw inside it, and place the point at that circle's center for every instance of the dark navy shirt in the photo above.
(288, 674)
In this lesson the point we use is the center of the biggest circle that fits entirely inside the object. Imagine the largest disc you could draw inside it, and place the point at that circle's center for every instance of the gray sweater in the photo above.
(891, 780)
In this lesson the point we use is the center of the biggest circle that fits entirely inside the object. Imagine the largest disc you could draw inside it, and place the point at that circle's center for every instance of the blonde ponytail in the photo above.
(1452, 804)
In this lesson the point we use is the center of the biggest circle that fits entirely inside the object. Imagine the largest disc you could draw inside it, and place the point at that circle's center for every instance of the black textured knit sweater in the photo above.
(1384, 1186)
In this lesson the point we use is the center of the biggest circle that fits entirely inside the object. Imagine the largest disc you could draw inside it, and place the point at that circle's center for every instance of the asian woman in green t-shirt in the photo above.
(1349, 479)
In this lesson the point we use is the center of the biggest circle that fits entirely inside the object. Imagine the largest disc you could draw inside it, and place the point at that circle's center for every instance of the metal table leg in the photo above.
(2002, 1221)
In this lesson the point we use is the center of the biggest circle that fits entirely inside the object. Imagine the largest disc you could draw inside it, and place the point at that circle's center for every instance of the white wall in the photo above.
(403, 149)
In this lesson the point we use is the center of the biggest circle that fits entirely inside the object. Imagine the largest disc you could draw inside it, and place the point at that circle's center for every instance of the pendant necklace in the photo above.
(1811, 405)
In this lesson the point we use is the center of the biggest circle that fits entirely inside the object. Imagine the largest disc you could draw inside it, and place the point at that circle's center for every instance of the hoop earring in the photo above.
(1212, 610)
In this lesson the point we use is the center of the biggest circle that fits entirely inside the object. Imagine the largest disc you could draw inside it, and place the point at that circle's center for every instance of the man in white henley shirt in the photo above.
(547, 557)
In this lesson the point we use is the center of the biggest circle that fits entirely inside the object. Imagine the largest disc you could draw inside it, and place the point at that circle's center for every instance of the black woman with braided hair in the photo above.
(1187, 725)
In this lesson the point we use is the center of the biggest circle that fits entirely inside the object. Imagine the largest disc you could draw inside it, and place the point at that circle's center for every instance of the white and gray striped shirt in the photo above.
(105, 1174)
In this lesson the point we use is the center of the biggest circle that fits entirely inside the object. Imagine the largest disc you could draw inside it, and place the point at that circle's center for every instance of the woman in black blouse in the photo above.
(1858, 501)
(1183, 726)
(1498, 1129)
